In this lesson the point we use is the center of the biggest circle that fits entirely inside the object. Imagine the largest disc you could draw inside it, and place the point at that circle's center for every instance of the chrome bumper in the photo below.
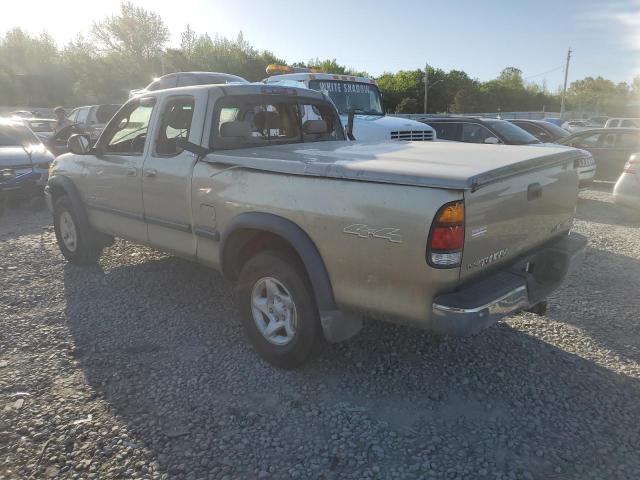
(513, 288)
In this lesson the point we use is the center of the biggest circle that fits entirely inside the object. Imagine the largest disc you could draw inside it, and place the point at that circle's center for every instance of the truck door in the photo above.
(113, 186)
(167, 170)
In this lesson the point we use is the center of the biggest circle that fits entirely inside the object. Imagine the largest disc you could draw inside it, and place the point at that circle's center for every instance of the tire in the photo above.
(82, 249)
(272, 275)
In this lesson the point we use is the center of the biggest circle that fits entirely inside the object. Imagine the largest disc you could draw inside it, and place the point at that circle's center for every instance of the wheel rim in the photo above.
(68, 231)
(274, 311)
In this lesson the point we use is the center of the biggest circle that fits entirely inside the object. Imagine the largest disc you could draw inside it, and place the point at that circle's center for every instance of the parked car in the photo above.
(622, 123)
(576, 125)
(554, 120)
(480, 130)
(21, 114)
(495, 131)
(627, 189)
(92, 119)
(358, 93)
(259, 182)
(598, 122)
(24, 162)
(546, 132)
(42, 127)
(185, 79)
(610, 148)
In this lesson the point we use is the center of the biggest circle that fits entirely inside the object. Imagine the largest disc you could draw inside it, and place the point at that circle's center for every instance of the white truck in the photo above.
(359, 93)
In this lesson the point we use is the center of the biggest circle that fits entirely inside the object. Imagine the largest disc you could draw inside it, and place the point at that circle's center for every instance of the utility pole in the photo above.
(564, 88)
(426, 85)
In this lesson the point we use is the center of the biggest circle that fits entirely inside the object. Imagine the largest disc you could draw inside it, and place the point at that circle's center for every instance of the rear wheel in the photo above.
(75, 239)
(278, 310)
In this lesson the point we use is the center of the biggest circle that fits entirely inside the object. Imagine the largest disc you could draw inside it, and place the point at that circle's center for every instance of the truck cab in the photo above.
(370, 122)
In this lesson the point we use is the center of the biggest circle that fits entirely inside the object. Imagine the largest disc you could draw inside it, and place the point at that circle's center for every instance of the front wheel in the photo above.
(74, 238)
(278, 310)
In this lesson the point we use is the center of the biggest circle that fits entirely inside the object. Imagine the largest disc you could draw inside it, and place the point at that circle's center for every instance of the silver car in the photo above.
(627, 188)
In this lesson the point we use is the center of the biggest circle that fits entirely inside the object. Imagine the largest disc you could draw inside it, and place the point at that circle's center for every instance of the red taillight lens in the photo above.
(446, 238)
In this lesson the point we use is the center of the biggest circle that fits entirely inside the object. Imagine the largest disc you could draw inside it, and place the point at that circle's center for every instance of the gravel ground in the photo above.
(137, 369)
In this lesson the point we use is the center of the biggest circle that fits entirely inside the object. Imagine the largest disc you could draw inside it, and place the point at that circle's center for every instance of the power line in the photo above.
(559, 67)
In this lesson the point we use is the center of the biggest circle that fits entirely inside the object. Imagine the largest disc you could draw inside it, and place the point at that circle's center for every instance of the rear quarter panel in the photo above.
(385, 275)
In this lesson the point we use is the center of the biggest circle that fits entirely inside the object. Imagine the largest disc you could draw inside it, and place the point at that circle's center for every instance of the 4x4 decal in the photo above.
(365, 231)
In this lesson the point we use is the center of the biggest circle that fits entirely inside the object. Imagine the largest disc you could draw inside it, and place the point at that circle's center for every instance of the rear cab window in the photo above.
(244, 121)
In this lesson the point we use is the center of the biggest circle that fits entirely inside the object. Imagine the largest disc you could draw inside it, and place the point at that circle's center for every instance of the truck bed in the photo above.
(458, 166)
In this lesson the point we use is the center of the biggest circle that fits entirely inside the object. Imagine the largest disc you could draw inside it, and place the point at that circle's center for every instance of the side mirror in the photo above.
(491, 140)
(79, 144)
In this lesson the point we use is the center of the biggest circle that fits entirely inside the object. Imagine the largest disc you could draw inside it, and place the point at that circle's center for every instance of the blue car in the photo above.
(24, 162)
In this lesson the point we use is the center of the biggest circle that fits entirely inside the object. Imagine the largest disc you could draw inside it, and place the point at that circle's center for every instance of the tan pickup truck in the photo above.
(259, 182)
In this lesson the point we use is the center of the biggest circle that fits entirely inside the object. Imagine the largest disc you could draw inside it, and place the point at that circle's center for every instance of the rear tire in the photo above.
(278, 310)
(75, 237)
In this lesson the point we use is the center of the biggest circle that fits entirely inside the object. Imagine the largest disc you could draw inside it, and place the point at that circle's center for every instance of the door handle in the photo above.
(150, 172)
(132, 172)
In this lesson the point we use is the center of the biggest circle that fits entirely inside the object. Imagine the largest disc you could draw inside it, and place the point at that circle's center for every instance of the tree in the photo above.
(408, 105)
(133, 32)
(599, 95)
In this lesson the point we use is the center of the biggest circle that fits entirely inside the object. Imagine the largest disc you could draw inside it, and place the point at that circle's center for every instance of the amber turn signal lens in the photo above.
(452, 214)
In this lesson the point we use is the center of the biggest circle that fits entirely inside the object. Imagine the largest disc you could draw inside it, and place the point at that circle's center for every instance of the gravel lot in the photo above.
(138, 369)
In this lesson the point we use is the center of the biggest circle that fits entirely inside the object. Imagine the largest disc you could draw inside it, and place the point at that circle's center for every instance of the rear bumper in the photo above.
(522, 284)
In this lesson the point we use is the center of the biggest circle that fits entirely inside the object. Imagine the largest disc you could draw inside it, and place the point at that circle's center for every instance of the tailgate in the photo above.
(516, 213)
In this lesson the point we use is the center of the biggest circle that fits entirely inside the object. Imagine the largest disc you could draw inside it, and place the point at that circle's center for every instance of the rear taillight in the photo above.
(446, 238)
(632, 163)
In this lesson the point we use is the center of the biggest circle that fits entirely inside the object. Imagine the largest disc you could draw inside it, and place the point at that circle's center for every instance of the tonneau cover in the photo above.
(459, 166)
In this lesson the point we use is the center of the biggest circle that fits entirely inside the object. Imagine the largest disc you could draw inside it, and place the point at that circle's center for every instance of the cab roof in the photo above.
(257, 88)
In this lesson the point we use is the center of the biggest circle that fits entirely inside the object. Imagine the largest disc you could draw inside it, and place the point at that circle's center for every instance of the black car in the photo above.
(546, 132)
(610, 147)
(480, 130)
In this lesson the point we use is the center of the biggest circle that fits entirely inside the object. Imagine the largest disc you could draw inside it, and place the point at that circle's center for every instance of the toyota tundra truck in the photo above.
(315, 230)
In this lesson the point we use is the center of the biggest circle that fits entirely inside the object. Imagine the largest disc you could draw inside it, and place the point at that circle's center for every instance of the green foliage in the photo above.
(127, 50)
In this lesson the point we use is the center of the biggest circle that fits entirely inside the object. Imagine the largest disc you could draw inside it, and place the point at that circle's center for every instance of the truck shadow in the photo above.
(607, 213)
(171, 362)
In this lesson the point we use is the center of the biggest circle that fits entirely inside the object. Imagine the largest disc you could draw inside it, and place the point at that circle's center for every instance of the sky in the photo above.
(479, 37)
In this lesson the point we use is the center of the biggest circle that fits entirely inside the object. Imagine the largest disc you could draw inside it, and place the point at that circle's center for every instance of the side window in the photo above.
(251, 121)
(628, 124)
(586, 141)
(627, 141)
(153, 86)
(72, 116)
(185, 79)
(128, 130)
(614, 123)
(534, 130)
(474, 133)
(169, 81)
(445, 131)
(175, 123)
(607, 140)
(83, 113)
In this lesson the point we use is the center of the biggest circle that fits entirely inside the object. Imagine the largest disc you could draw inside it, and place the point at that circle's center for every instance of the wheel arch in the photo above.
(264, 229)
(59, 185)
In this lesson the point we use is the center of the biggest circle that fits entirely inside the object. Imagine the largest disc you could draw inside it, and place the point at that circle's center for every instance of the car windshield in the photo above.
(365, 98)
(511, 133)
(556, 130)
(16, 136)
